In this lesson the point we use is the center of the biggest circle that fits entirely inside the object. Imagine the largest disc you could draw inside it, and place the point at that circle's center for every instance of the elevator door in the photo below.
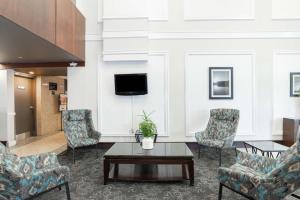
(24, 105)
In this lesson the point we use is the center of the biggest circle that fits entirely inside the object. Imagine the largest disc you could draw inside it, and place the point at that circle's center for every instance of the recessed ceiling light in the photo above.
(31, 72)
(20, 57)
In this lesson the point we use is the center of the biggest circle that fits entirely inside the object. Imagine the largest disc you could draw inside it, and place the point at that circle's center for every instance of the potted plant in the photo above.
(148, 130)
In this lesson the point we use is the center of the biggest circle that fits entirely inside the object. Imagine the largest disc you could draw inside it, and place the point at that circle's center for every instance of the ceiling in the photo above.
(18, 45)
(45, 71)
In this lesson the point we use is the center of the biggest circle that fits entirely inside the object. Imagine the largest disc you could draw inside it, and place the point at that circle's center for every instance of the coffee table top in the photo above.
(160, 150)
(267, 146)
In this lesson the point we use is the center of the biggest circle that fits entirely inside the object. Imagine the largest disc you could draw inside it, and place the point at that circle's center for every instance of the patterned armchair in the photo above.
(262, 178)
(220, 131)
(27, 177)
(79, 129)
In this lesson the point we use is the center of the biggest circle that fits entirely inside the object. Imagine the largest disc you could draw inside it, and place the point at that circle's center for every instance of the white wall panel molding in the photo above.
(93, 37)
(219, 9)
(134, 8)
(123, 25)
(124, 18)
(285, 9)
(158, 10)
(125, 30)
(200, 35)
(125, 56)
(100, 11)
(106, 90)
(240, 35)
(125, 34)
(284, 62)
(242, 99)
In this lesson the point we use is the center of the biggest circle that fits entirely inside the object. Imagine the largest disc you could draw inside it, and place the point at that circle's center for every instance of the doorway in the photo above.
(38, 107)
(24, 107)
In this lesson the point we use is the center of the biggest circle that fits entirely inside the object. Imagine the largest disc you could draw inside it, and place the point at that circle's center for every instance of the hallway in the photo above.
(41, 144)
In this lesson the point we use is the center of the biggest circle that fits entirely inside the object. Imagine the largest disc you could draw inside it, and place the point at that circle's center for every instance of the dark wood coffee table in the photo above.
(166, 162)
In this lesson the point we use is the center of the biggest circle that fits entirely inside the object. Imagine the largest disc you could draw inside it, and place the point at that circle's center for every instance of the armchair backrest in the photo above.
(77, 123)
(287, 171)
(222, 123)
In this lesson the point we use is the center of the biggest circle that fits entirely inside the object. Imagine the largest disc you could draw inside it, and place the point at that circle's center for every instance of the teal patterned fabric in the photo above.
(264, 178)
(3, 149)
(221, 128)
(79, 128)
(24, 177)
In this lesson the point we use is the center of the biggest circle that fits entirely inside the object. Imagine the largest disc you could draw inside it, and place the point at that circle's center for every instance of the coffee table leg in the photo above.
(116, 170)
(191, 172)
(106, 170)
(184, 175)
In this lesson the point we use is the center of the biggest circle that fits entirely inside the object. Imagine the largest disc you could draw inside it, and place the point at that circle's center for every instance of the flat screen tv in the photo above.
(131, 84)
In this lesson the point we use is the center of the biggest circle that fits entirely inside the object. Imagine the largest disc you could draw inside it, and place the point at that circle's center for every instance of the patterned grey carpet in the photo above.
(87, 181)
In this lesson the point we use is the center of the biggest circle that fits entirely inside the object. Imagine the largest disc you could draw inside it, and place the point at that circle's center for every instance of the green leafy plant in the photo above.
(147, 126)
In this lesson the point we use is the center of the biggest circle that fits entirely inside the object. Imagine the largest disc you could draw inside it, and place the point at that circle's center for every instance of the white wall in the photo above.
(285, 62)
(197, 88)
(118, 115)
(7, 107)
(177, 29)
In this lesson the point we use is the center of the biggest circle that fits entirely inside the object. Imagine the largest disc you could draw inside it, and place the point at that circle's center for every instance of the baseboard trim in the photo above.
(22, 136)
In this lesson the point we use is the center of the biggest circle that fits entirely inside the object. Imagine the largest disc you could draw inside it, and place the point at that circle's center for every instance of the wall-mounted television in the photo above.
(131, 84)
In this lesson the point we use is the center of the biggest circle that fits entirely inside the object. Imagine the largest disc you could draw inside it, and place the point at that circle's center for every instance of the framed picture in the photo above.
(52, 86)
(221, 83)
(295, 84)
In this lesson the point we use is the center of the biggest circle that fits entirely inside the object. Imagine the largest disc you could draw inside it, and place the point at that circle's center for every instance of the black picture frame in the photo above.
(52, 86)
(222, 92)
(293, 76)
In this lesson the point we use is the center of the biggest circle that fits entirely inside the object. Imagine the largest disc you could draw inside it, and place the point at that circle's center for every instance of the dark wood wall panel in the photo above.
(65, 25)
(38, 16)
(57, 21)
(79, 48)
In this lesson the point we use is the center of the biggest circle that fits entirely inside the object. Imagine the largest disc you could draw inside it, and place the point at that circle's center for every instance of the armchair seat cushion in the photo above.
(43, 180)
(81, 142)
(211, 143)
(242, 179)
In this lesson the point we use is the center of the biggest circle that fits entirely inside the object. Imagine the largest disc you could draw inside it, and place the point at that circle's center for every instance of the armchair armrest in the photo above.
(96, 135)
(236, 177)
(12, 173)
(42, 160)
(256, 162)
(200, 135)
(49, 177)
(228, 141)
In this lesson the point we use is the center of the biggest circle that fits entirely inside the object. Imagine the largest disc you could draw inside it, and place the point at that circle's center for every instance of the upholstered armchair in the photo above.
(262, 178)
(79, 129)
(28, 177)
(220, 131)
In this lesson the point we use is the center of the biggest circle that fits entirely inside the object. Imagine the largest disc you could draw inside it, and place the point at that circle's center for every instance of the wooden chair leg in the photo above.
(68, 191)
(220, 191)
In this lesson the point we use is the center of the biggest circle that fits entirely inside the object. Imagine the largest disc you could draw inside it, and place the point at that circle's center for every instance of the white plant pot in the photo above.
(147, 143)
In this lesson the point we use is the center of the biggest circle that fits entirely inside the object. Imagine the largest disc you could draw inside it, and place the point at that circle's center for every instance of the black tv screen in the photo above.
(131, 84)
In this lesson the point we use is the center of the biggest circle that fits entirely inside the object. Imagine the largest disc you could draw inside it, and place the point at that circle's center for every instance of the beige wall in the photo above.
(48, 117)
